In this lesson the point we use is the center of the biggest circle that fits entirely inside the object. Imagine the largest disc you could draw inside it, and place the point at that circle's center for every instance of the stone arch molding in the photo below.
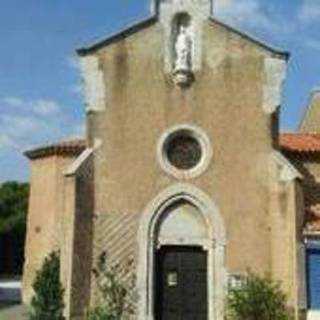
(214, 244)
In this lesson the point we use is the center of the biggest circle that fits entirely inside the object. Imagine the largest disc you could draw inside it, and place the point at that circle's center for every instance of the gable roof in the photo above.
(139, 25)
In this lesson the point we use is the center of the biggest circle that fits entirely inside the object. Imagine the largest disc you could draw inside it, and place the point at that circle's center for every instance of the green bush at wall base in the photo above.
(47, 302)
(257, 298)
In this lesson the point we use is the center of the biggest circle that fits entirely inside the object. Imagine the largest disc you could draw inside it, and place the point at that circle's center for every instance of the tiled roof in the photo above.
(300, 142)
(67, 147)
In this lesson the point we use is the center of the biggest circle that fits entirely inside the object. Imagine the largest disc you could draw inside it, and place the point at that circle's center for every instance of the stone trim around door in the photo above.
(214, 245)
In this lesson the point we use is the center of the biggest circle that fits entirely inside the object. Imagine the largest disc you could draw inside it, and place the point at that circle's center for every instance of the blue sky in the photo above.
(40, 96)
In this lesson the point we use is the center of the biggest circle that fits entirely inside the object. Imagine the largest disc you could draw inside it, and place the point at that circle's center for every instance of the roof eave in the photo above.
(66, 147)
(51, 151)
(290, 150)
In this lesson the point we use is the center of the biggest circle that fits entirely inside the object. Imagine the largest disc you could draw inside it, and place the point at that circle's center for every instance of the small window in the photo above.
(183, 150)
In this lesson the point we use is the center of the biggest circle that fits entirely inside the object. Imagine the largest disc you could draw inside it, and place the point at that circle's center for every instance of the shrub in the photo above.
(116, 286)
(257, 298)
(47, 302)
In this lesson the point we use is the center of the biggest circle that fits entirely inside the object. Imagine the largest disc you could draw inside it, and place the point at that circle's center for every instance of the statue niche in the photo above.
(182, 50)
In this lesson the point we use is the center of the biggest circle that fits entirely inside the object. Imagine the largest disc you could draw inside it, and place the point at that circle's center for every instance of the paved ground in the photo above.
(10, 301)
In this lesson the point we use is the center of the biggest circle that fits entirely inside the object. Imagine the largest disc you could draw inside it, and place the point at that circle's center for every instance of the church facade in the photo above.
(182, 171)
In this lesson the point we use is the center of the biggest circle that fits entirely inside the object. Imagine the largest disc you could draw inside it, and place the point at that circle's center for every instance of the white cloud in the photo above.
(16, 130)
(310, 11)
(40, 106)
(76, 89)
(16, 126)
(30, 122)
(79, 130)
(243, 12)
(13, 101)
(313, 44)
(73, 62)
(7, 142)
(253, 15)
(46, 107)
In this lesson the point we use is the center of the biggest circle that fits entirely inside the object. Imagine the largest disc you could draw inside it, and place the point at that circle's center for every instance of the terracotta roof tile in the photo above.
(72, 147)
(300, 142)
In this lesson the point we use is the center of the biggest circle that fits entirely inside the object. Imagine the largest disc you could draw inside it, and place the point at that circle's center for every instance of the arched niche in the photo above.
(180, 21)
(182, 45)
(181, 223)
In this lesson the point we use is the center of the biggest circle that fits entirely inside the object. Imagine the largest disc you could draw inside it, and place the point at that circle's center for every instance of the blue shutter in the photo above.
(313, 278)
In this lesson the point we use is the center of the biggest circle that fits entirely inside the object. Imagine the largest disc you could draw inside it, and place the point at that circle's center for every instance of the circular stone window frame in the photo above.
(206, 152)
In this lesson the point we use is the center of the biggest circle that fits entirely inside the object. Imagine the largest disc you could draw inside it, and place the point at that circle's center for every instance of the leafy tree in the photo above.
(13, 207)
(116, 285)
(47, 302)
(13, 211)
(258, 298)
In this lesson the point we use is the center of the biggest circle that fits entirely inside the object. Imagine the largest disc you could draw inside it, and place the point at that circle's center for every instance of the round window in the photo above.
(183, 150)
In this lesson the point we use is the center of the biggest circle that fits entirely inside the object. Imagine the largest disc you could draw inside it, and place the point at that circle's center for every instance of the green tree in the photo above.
(13, 211)
(258, 298)
(13, 207)
(47, 302)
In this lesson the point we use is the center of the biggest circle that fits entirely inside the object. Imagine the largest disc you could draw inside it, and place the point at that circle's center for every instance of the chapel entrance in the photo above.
(181, 283)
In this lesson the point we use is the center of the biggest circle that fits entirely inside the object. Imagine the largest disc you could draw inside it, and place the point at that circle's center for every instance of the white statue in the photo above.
(183, 50)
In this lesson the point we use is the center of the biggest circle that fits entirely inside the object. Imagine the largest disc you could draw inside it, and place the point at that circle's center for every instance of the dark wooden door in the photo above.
(181, 284)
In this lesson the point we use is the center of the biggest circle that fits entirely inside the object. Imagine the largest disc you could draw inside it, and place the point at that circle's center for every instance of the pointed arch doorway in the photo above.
(180, 270)
(181, 257)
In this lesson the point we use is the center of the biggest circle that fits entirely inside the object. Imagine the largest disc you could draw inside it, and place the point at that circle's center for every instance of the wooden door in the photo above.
(181, 283)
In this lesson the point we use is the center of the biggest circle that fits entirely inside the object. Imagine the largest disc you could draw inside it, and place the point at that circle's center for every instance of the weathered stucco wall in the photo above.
(45, 215)
(141, 103)
(286, 225)
(79, 247)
